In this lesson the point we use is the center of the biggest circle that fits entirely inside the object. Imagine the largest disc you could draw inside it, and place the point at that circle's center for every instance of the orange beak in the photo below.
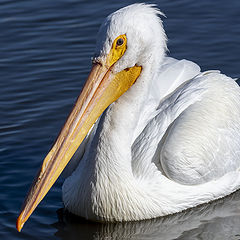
(101, 89)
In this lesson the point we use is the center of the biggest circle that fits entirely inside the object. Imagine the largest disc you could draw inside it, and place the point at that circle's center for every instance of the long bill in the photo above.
(101, 89)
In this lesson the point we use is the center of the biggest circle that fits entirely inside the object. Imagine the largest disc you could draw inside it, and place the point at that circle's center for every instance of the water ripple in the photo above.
(46, 48)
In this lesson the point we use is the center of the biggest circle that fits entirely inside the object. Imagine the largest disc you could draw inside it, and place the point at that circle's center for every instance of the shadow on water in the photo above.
(45, 50)
(218, 220)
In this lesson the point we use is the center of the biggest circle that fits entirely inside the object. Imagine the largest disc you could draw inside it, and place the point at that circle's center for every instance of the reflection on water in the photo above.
(218, 220)
(45, 51)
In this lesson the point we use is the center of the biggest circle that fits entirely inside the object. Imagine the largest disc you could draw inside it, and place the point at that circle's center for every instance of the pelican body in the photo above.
(149, 135)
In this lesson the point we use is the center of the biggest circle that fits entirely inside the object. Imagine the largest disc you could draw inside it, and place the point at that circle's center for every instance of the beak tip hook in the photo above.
(19, 224)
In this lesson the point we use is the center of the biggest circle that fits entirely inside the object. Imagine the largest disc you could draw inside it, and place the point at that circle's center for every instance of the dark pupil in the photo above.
(119, 41)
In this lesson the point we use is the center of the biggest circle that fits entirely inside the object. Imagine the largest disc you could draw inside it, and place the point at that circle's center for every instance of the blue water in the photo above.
(45, 51)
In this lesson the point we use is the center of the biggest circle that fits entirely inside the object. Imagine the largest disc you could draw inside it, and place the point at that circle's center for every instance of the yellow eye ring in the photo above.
(119, 47)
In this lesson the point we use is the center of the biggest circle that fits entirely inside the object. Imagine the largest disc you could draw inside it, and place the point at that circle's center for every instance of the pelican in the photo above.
(149, 135)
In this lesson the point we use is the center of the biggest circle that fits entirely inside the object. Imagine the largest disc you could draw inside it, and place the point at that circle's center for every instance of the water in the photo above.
(45, 50)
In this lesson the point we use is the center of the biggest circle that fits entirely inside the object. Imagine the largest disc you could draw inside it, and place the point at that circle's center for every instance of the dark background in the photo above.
(45, 52)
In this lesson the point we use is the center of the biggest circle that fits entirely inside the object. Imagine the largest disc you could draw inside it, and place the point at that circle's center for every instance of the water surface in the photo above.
(45, 52)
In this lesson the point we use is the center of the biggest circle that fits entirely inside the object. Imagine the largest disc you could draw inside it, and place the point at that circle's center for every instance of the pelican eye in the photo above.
(120, 42)
(117, 50)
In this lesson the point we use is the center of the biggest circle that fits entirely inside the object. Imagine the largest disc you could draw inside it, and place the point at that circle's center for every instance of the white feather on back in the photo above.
(169, 76)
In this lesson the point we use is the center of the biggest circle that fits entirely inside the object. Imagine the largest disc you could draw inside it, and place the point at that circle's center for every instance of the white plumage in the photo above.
(171, 142)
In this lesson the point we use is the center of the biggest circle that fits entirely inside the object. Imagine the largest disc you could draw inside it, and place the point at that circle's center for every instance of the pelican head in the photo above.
(126, 45)
(143, 34)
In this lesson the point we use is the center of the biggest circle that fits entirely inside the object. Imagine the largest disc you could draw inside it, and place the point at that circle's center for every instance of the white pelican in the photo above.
(168, 140)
